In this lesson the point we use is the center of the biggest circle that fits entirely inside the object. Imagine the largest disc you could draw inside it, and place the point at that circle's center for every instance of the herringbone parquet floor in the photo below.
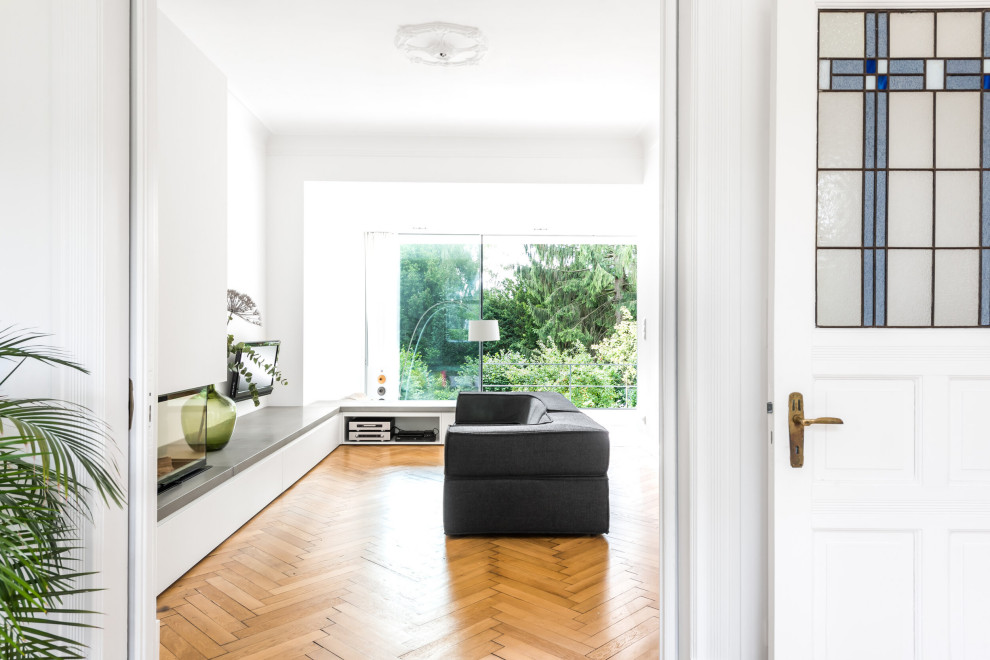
(352, 563)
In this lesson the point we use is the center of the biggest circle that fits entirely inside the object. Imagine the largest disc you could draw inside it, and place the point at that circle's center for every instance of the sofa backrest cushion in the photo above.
(499, 408)
(555, 402)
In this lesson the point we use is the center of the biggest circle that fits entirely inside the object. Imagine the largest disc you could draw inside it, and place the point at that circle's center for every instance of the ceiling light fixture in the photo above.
(441, 44)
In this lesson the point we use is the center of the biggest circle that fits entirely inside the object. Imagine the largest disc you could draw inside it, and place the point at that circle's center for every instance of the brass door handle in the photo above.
(796, 423)
(821, 420)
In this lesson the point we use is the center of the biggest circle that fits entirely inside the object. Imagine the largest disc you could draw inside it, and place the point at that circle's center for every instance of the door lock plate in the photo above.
(796, 423)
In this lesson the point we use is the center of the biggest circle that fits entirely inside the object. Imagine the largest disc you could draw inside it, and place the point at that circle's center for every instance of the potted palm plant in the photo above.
(53, 469)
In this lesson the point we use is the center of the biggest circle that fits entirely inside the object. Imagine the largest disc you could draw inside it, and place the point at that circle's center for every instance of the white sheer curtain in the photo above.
(381, 294)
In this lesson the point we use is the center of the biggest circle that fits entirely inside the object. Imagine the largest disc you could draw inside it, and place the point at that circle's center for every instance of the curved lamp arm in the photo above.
(412, 354)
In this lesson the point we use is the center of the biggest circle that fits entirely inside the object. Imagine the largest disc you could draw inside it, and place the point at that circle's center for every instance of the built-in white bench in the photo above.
(270, 450)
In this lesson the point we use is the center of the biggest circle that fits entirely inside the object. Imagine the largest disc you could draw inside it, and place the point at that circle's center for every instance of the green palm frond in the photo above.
(54, 463)
(66, 436)
(18, 345)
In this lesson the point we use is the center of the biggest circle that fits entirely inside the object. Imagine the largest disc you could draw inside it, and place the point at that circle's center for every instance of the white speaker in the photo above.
(380, 387)
(382, 382)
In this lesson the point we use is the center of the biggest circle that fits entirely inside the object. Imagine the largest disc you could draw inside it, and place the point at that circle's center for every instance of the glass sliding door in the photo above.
(439, 292)
(566, 308)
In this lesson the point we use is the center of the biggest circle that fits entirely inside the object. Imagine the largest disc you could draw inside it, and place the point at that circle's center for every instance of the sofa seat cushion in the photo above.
(572, 444)
(550, 507)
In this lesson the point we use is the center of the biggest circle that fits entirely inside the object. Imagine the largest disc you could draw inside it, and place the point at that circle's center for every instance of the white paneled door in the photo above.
(880, 542)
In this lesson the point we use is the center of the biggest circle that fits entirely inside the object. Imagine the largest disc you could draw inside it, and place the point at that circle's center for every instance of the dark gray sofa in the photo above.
(524, 463)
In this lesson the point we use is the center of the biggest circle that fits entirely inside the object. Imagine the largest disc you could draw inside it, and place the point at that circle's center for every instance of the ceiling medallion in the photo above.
(441, 44)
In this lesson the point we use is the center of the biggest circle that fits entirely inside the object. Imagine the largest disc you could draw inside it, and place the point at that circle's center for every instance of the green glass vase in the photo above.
(207, 420)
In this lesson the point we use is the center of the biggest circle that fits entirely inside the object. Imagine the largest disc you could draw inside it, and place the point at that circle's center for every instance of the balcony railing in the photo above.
(566, 387)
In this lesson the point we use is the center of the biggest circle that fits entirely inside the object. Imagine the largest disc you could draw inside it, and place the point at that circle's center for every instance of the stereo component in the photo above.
(369, 436)
(369, 425)
(370, 429)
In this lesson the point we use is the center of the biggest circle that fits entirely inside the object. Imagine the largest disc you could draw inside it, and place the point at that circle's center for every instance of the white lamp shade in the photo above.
(483, 331)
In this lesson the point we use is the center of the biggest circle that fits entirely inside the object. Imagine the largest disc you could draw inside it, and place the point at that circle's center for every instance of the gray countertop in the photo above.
(398, 407)
(256, 436)
(260, 434)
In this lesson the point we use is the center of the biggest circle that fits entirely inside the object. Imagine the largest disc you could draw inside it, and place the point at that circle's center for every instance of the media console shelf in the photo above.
(396, 422)
(400, 429)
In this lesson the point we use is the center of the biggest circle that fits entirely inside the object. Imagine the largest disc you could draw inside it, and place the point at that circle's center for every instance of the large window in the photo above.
(566, 310)
(439, 291)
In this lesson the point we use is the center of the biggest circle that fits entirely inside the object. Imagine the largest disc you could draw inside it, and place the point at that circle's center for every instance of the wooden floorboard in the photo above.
(351, 563)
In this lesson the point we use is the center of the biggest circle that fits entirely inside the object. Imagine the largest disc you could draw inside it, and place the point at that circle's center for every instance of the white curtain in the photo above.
(381, 294)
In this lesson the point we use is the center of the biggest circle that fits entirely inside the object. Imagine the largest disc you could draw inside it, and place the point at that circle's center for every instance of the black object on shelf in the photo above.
(267, 351)
(415, 436)
(164, 486)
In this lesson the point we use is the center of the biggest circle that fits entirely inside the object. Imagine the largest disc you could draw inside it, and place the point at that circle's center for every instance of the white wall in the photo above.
(64, 265)
(333, 314)
(247, 145)
(338, 214)
(192, 214)
(26, 173)
(295, 161)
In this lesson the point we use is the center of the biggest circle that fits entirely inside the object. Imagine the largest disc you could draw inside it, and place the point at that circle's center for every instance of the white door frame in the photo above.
(142, 623)
(87, 221)
(143, 501)
(724, 70)
(670, 611)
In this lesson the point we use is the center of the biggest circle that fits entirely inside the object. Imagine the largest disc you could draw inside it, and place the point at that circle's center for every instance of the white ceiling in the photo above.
(554, 67)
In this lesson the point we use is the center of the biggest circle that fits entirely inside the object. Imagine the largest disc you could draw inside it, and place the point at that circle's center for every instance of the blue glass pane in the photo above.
(870, 129)
(871, 38)
(871, 66)
(907, 82)
(963, 66)
(867, 287)
(986, 82)
(881, 129)
(881, 209)
(986, 129)
(907, 66)
(963, 82)
(881, 288)
(847, 66)
(847, 82)
(985, 287)
(882, 36)
(868, 208)
(881, 82)
(985, 219)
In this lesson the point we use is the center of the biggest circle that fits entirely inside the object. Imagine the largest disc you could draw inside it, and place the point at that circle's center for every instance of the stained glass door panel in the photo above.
(903, 212)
